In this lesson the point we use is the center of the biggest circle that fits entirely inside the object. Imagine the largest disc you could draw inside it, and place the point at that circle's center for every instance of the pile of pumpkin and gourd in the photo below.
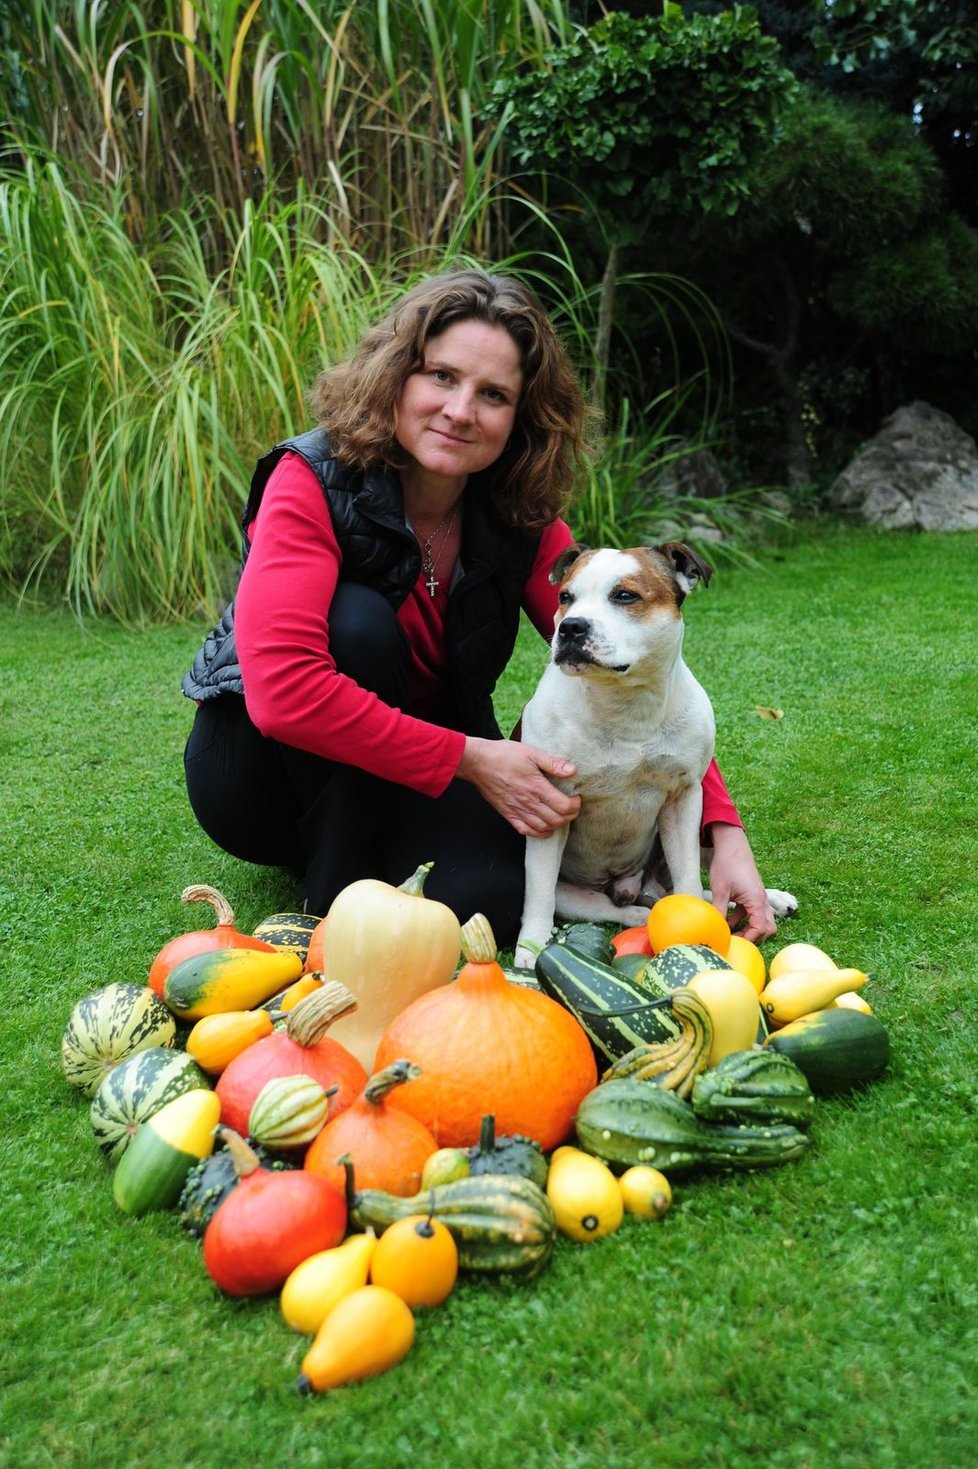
(348, 1117)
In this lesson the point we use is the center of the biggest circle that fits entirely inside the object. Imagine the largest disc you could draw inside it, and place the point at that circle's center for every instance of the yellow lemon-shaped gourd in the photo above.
(645, 1192)
(584, 1195)
(320, 1281)
(798, 956)
(731, 1000)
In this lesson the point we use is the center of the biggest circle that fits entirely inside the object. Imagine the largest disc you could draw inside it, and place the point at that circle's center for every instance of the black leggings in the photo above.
(332, 823)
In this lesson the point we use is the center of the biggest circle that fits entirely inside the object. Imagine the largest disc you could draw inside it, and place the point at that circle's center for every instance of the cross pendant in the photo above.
(431, 583)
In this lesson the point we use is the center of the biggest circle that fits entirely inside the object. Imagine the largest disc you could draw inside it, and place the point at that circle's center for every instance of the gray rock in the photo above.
(920, 472)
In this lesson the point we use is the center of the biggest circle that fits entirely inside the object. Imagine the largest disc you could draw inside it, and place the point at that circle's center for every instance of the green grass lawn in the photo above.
(818, 1316)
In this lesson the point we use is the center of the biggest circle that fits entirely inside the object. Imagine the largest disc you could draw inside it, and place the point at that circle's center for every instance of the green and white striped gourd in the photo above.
(135, 1090)
(289, 1112)
(108, 1026)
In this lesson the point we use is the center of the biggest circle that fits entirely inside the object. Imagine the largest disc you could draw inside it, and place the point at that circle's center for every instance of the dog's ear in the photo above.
(564, 563)
(687, 566)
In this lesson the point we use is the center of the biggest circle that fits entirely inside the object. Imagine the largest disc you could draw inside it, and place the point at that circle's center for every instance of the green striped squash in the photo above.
(673, 968)
(291, 931)
(108, 1026)
(135, 1090)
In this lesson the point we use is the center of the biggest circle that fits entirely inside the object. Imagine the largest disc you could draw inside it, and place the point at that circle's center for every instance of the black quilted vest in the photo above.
(380, 551)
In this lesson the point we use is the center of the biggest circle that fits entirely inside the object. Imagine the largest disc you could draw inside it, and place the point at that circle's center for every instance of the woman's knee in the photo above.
(368, 643)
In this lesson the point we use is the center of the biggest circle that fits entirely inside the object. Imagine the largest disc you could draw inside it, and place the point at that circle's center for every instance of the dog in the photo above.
(618, 700)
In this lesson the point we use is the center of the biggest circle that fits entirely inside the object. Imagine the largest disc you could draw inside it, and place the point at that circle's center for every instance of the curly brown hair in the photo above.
(534, 477)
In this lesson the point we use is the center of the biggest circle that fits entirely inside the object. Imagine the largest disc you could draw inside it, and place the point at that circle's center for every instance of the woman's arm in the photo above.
(293, 690)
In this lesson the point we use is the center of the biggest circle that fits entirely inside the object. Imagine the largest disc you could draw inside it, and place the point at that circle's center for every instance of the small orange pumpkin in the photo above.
(201, 941)
(485, 1045)
(416, 1258)
(387, 1146)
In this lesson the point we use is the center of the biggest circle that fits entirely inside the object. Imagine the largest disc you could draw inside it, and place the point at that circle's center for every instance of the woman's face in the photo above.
(455, 414)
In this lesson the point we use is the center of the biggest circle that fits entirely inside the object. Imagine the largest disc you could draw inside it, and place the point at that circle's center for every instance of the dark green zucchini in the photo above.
(590, 939)
(616, 1014)
(627, 1122)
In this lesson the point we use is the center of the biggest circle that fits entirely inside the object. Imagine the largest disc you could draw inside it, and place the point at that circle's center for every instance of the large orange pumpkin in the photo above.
(485, 1045)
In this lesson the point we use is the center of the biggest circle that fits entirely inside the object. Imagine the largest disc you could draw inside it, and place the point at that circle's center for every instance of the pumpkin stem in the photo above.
(309, 1021)
(382, 1082)
(200, 892)
(349, 1182)
(244, 1157)
(487, 1134)
(414, 885)
(478, 940)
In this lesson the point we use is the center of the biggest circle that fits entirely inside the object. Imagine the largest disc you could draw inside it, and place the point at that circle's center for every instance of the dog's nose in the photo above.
(573, 630)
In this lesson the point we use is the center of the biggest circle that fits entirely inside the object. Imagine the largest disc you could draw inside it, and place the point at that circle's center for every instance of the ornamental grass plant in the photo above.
(817, 1316)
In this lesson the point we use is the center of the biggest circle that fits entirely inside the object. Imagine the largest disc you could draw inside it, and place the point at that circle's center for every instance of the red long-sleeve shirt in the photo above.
(293, 690)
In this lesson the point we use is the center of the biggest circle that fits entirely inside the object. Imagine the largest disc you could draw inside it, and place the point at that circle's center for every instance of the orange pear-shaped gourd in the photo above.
(485, 1045)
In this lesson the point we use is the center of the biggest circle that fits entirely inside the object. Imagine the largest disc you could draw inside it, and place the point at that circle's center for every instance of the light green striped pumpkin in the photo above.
(288, 1112)
(135, 1090)
(109, 1025)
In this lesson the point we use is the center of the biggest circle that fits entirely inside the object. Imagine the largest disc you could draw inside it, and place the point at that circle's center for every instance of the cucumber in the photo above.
(616, 1014)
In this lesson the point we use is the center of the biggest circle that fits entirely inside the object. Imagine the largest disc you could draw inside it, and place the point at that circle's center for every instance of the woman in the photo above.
(345, 725)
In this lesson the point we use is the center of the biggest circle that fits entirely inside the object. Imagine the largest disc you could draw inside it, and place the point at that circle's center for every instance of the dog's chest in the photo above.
(620, 805)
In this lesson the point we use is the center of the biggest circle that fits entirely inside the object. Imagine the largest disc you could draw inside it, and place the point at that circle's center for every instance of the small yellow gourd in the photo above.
(446, 1165)
(584, 1194)
(800, 992)
(216, 1039)
(321, 1281)
(367, 1332)
(645, 1192)
(417, 1258)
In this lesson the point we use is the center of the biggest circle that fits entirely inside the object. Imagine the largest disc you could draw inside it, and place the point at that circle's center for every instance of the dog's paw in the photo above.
(524, 958)
(632, 917)
(783, 904)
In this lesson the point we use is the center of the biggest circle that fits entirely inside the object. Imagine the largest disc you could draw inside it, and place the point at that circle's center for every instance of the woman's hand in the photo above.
(734, 878)
(517, 780)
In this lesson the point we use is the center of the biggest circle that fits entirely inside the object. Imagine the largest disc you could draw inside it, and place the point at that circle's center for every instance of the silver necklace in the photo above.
(429, 558)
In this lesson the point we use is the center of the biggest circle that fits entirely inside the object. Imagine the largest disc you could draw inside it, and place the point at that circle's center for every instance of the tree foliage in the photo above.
(651, 116)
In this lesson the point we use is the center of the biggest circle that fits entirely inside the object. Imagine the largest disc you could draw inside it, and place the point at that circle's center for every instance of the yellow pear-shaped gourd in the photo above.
(322, 1280)
(366, 1332)
(584, 1195)
(800, 992)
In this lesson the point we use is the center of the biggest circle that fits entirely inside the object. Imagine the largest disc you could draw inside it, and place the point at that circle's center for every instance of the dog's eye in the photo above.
(564, 598)
(623, 595)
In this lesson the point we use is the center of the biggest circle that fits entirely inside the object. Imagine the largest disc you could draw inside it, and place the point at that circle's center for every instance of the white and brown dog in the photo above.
(618, 700)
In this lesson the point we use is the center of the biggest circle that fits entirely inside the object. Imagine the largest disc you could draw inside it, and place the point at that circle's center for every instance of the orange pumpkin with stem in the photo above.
(485, 1045)
(302, 1049)
(202, 940)
(387, 1146)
